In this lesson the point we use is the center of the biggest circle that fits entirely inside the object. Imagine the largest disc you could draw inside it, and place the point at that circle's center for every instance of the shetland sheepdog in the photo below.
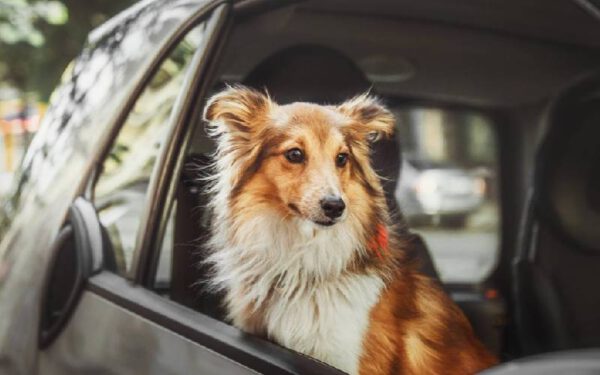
(304, 248)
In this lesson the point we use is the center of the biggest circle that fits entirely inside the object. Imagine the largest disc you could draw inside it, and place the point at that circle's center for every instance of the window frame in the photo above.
(170, 160)
(207, 13)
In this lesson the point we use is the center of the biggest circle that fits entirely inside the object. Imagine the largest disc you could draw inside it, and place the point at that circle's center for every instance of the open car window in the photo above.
(120, 193)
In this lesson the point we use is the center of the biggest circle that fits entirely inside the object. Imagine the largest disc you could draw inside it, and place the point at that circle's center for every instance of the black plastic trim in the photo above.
(248, 8)
(88, 234)
(47, 335)
(83, 227)
(572, 362)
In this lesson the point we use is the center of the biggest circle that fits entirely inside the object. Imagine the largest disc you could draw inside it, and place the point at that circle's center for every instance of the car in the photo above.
(102, 234)
(442, 184)
(433, 192)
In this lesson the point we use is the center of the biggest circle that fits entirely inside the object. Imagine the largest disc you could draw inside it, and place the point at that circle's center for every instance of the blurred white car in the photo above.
(439, 192)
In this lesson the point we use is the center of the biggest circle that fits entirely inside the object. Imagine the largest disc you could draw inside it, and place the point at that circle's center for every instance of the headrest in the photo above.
(318, 74)
(567, 180)
(309, 73)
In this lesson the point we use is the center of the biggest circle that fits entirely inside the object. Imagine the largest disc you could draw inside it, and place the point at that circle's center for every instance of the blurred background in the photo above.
(38, 39)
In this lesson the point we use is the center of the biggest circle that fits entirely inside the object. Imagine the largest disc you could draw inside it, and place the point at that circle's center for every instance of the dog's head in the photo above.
(300, 160)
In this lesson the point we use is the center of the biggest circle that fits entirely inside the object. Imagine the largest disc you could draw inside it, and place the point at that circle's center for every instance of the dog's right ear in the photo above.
(237, 110)
(372, 120)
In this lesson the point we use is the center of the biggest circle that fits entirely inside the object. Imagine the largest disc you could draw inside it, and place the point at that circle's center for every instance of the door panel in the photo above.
(121, 328)
(103, 338)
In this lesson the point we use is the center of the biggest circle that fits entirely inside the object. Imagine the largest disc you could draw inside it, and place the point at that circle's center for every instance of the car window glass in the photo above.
(448, 188)
(120, 191)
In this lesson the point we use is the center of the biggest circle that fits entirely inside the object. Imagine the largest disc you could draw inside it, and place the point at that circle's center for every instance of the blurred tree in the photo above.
(38, 38)
(17, 18)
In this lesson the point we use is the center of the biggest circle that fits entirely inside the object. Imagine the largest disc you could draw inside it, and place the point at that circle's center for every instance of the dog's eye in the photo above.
(341, 159)
(295, 155)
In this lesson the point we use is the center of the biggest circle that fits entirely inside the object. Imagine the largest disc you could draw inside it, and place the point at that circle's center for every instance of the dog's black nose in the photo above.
(332, 206)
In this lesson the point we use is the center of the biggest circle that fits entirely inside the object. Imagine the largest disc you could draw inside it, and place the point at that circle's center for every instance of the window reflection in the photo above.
(120, 192)
(92, 88)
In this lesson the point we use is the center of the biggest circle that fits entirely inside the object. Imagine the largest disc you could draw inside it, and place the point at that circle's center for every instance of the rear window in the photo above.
(448, 188)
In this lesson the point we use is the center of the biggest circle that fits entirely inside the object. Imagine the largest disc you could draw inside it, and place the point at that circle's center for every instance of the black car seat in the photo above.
(557, 267)
(302, 73)
(191, 231)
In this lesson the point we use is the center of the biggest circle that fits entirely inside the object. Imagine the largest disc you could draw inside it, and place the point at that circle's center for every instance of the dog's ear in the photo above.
(371, 120)
(237, 110)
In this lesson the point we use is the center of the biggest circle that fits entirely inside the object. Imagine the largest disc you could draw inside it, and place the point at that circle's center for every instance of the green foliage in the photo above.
(38, 38)
(18, 18)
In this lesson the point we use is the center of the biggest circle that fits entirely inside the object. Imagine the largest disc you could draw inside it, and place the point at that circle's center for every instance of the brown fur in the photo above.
(414, 327)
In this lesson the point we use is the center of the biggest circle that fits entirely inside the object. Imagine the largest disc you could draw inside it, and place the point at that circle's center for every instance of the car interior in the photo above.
(557, 259)
(532, 74)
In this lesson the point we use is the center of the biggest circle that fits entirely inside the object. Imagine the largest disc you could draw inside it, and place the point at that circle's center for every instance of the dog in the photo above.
(303, 247)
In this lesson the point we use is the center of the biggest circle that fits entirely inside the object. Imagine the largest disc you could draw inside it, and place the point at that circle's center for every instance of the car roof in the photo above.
(562, 21)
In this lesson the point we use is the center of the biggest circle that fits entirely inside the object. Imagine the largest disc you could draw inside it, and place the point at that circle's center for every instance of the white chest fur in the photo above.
(293, 276)
(329, 323)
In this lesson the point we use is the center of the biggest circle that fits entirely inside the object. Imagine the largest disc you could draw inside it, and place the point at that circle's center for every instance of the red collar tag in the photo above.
(379, 243)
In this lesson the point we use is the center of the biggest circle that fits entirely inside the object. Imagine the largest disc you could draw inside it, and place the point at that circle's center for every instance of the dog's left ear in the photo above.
(372, 120)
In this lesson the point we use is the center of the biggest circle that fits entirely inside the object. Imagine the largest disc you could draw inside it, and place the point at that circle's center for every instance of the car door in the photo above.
(97, 316)
(97, 90)
(82, 330)
(98, 325)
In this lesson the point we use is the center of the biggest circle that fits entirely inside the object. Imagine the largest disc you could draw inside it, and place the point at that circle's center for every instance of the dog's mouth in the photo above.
(327, 223)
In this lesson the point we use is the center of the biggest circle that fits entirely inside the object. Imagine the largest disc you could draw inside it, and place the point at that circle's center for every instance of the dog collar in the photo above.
(379, 242)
